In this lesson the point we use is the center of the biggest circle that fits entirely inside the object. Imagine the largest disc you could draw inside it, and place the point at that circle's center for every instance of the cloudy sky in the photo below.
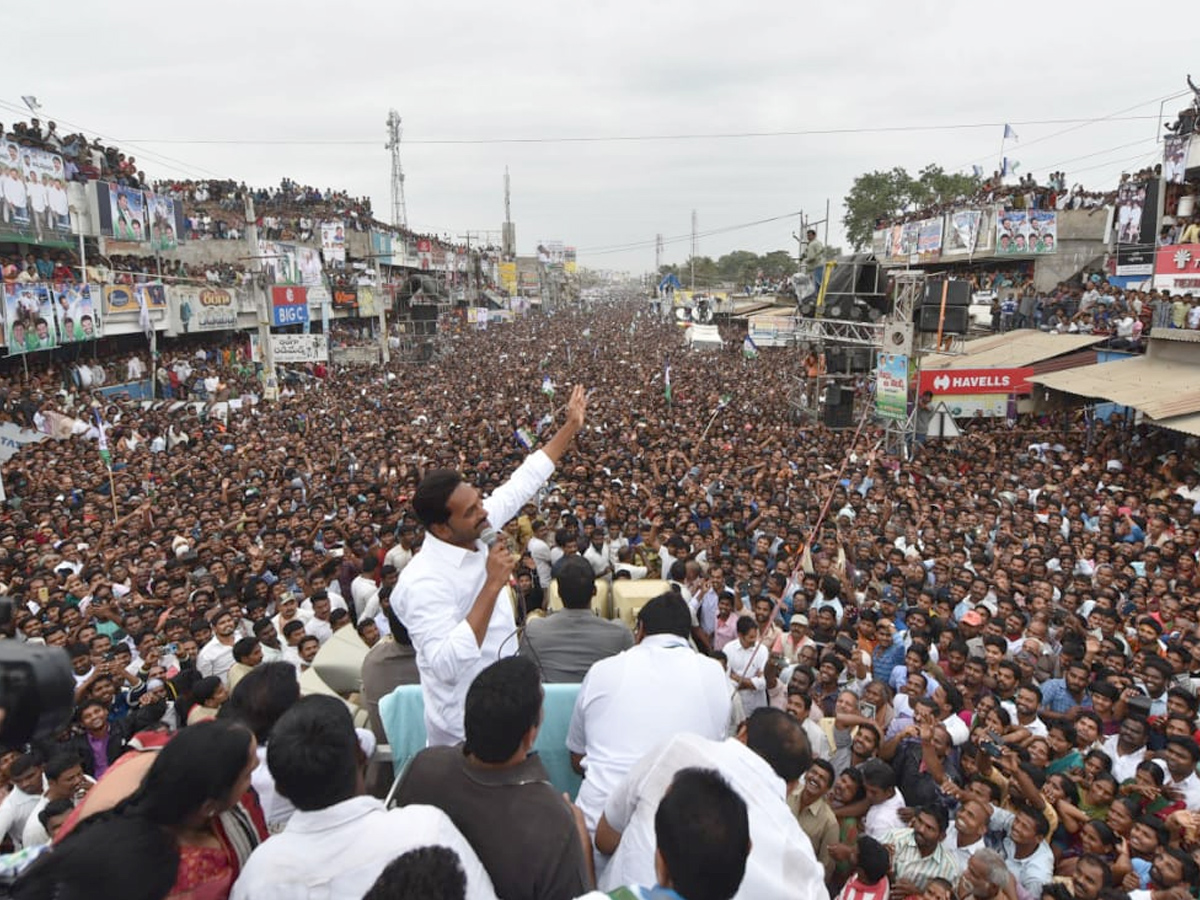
(177, 89)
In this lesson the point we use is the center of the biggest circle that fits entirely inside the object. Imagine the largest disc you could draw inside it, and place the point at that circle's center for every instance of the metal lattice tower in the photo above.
(399, 208)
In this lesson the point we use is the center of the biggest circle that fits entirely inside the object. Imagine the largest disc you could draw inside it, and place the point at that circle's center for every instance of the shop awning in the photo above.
(1161, 389)
(1012, 350)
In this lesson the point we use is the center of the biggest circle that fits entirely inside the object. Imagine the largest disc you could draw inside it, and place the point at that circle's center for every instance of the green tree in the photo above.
(885, 195)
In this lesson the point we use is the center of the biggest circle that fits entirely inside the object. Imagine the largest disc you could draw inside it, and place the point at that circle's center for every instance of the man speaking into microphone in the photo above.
(447, 596)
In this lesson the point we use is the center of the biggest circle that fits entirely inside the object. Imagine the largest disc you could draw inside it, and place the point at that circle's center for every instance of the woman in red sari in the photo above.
(198, 791)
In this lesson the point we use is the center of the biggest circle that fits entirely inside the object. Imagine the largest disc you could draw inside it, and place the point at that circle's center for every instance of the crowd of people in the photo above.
(82, 161)
(971, 672)
(1026, 193)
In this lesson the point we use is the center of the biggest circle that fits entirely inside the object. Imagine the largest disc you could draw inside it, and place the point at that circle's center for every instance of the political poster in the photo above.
(570, 266)
(891, 387)
(508, 277)
(424, 254)
(77, 313)
(127, 220)
(910, 234)
(33, 193)
(1012, 232)
(290, 263)
(1043, 231)
(929, 240)
(961, 235)
(1175, 156)
(29, 318)
(333, 242)
(165, 222)
(205, 309)
(1131, 205)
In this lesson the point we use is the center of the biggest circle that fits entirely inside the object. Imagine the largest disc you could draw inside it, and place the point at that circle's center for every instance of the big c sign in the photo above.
(289, 305)
(976, 381)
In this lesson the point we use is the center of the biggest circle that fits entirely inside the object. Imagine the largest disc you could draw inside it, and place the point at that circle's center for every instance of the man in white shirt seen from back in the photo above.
(338, 840)
(631, 702)
(29, 783)
(763, 763)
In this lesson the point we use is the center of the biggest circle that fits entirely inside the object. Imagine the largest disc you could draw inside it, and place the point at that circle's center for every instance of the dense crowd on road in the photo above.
(972, 671)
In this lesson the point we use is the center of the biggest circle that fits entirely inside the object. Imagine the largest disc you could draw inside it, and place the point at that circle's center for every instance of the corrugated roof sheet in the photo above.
(1013, 349)
(1159, 388)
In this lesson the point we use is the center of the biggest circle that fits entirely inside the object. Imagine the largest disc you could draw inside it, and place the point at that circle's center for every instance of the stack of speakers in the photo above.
(839, 407)
(958, 298)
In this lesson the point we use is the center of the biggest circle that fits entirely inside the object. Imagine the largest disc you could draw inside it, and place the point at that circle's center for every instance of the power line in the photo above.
(154, 156)
(632, 138)
(680, 238)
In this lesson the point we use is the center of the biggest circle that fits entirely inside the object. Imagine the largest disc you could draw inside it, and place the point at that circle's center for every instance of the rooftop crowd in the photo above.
(1026, 193)
(969, 673)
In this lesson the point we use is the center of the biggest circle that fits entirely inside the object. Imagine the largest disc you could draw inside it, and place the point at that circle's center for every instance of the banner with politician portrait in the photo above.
(929, 240)
(29, 318)
(290, 263)
(1175, 157)
(77, 313)
(333, 242)
(1043, 231)
(33, 193)
(166, 222)
(1131, 204)
(961, 237)
(1012, 232)
(127, 215)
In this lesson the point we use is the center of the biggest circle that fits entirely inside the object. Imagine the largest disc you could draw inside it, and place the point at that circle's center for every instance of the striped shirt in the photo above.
(909, 865)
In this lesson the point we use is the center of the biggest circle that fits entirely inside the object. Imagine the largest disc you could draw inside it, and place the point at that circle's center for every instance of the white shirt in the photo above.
(362, 589)
(962, 855)
(957, 729)
(597, 558)
(14, 812)
(539, 550)
(340, 851)
(277, 809)
(748, 662)
(319, 628)
(817, 739)
(215, 658)
(633, 701)
(398, 557)
(781, 862)
(883, 817)
(1123, 767)
(1189, 788)
(437, 590)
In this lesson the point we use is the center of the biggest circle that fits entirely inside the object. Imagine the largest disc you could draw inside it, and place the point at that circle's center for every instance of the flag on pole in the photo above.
(1009, 167)
(749, 348)
(1009, 134)
(547, 386)
(525, 438)
(105, 456)
(667, 379)
(978, 171)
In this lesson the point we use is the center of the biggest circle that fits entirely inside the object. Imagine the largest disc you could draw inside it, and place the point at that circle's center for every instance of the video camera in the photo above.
(37, 687)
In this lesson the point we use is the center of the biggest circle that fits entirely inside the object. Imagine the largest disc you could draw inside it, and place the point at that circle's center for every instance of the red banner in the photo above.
(1177, 268)
(286, 295)
(976, 381)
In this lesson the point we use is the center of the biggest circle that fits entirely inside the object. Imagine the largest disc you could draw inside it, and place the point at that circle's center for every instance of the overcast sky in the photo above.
(304, 72)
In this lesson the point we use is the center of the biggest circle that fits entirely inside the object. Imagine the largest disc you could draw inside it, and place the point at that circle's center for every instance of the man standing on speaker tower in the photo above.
(450, 597)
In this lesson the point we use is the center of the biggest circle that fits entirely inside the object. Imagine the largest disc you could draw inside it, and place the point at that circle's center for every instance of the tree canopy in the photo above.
(886, 195)
(736, 269)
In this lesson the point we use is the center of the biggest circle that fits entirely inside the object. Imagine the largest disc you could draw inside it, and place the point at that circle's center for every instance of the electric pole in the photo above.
(399, 209)
(658, 252)
(693, 260)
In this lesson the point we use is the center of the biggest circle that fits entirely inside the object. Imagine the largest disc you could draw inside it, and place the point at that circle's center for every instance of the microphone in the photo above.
(488, 536)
